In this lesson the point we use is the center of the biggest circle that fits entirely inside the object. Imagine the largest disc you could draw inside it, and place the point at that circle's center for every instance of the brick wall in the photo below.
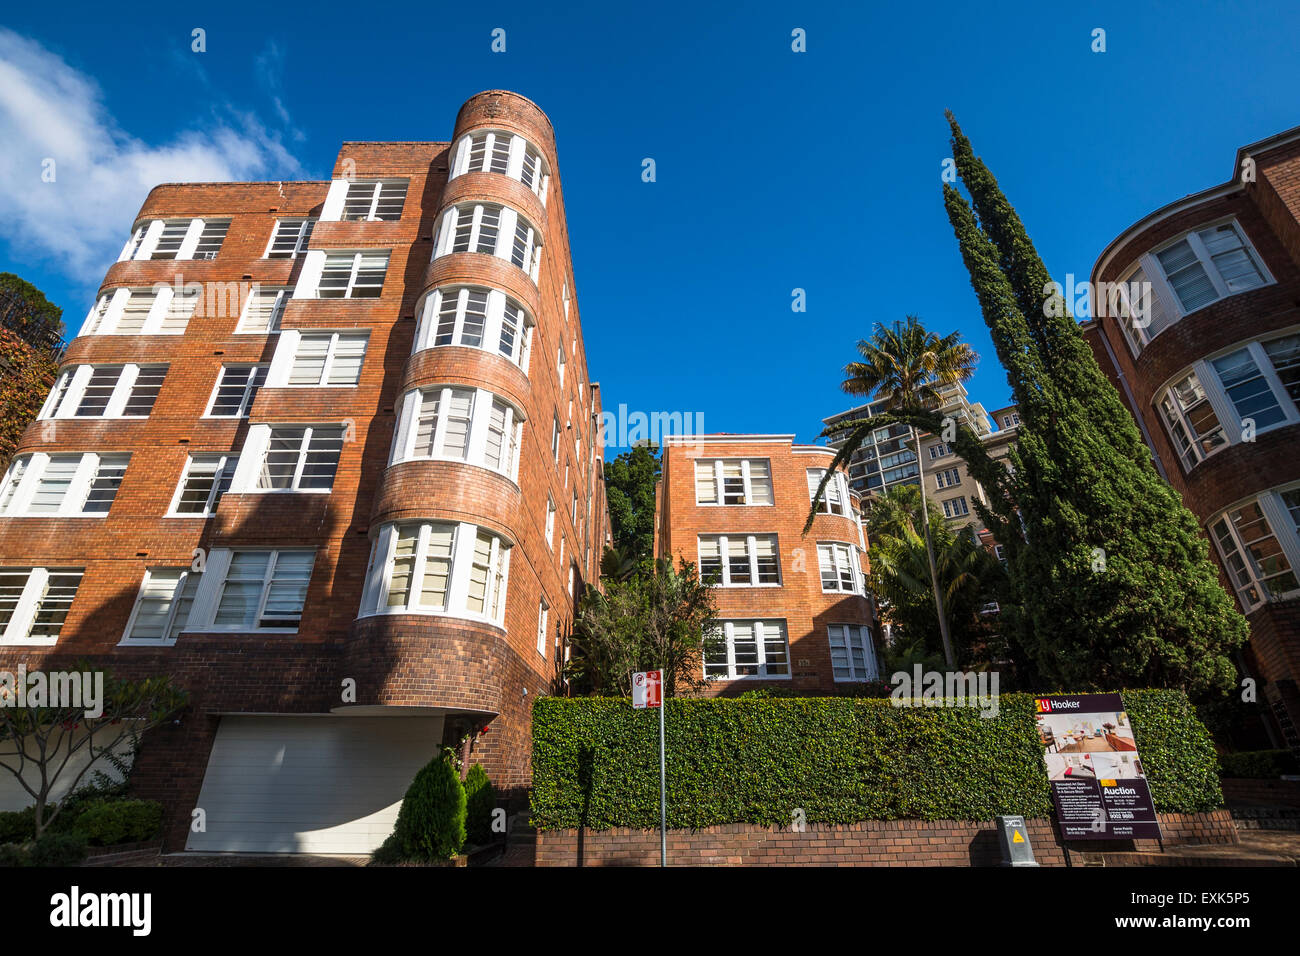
(872, 843)
(800, 601)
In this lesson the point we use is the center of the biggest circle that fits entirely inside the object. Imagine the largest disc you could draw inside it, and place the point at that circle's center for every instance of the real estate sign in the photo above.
(1094, 769)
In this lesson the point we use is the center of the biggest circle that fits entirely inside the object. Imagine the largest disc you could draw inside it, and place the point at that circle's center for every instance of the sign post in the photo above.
(648, 691)
(1098, 784)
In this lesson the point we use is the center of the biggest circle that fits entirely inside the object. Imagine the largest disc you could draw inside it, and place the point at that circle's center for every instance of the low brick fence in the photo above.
(1245, 791)
(871, 843)
(125, 854)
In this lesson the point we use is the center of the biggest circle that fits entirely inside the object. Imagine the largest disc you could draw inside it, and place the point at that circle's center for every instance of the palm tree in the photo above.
(907, 367)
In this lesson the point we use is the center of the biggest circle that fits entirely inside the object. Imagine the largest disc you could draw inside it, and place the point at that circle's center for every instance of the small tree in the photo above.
(38, 744)
(650, 621)
(431, 824)
(480, 801)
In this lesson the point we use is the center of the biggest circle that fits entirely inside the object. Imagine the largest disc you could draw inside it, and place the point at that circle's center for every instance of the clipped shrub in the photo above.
(431, 823)
(839, 760)
(18, 826)
(480, 801)
(12, 855)
(58, 849)
(109, 822)
(1257, 764)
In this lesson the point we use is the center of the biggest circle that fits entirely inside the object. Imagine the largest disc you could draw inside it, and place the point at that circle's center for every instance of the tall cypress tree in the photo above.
(1111, 583)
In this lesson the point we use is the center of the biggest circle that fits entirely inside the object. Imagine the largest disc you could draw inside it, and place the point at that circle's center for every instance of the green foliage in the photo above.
(1256, 764)
(130, 708)
(1111, 581)
(18, 826)
(900, 575)
(654, 620)
(27, 377)
(58, 849)
(25, 310)
(758, 759)
(109, 822)
(431, 823)
(480, 801)
(630, 490)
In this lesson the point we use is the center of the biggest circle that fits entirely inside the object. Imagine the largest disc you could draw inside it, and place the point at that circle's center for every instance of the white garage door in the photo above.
(310, 784)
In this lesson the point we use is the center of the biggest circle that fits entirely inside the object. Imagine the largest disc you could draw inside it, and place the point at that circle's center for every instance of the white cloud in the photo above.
(49, 110)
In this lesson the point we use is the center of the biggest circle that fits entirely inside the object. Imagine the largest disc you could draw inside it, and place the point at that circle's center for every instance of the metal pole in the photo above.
(663, 789)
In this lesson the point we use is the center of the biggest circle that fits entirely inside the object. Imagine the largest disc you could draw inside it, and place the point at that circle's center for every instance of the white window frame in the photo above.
(746, 478)
(543, 635)
(31, 468)
(1283, 528)
(212, 585)
(864, 636)
(950, 508)
(306, 225)
(835, 500)
(248, 481)
(517, 150)
(1167, 304)
(494, 326)
(760, 626)
(383, 553)
(251, 388)
(17, 633)
(509, 221)
(480, 427)
(226, 465)
(376, 198)
(282, 296)
(352, 286)
(70, 389)
(173, 628)
(843, 557)
(294, 344)
(723, 542)
(1225, 410)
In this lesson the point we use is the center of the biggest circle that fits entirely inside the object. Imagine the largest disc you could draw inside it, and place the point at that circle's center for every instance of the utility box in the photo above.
(1014, 838)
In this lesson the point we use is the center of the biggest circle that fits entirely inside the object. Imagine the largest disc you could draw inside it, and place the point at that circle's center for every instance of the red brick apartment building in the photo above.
(794, 610)
(1211, 370)
(326, 453)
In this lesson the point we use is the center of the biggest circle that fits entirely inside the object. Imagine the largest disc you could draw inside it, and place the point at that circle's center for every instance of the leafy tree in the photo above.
(653, 620)
(27, 374)
(630, 490)
(900, 575)
(1110, 579)
(906, 366)
(25, 310)
(39, 744)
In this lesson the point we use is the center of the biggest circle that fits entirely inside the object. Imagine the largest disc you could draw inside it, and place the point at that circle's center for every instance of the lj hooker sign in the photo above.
(1098, 785)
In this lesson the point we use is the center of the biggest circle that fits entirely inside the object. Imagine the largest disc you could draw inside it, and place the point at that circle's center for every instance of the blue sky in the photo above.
(775, 170)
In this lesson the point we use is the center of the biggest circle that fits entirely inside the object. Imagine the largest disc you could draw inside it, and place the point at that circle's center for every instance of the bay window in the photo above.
(838, 564)
(474, 317)
(1259, 542)
(835, 499)
(491, 229)
(435, 567)
(452, 423)
(503, 153)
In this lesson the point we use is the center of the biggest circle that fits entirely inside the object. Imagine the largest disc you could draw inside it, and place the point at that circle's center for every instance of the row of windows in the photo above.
(1231, 398)
(753, 560)
(130, 391)
(507, 154)
(760, 649)
(176, 239)
(1182, 276)
(455, 423)
(62, 484)
(491, 229)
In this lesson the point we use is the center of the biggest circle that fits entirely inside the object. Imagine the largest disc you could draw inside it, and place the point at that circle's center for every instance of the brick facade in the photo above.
(799, 600)
(1265, 206)
(482, 676)
(871, 843)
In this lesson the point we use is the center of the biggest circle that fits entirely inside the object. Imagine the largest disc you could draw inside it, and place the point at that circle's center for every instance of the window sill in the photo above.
(749, 677)
(30, 642)
(144, 642)
(430, 612)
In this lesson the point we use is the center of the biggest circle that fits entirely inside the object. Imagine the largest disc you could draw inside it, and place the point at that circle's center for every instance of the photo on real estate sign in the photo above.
(1108, 732)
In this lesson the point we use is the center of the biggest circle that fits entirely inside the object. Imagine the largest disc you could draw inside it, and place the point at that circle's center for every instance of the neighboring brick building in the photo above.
(793, 610)
(1203, 341)
(385, 375)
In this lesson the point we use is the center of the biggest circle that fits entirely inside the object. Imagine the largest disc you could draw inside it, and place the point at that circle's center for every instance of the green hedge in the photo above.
(1258, 764)
(595, 761)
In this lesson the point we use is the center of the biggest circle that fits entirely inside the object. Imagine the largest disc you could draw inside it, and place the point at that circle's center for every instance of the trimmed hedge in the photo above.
(1258, 764)
(757, 760)
(109, 822)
